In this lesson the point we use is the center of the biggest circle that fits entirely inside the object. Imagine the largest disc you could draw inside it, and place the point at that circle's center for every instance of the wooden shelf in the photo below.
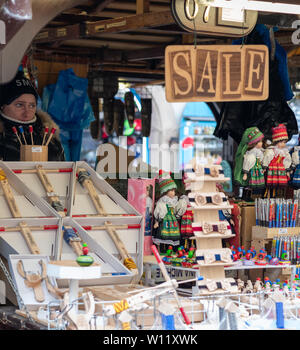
(215, 207)
(212, 236)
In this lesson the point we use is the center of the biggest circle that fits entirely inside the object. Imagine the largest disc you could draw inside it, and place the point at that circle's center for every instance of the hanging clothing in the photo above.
(68, 104)
(71, 142)
(295, 182)
(235, 117)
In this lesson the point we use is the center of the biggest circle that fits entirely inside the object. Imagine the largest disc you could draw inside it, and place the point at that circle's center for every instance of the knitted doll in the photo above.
(248, 171)
(277, 160)
(168, 210)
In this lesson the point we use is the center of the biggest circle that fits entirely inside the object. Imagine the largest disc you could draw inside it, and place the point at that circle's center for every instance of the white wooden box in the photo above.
(113, 202)
(62, 181)
(27, 201)
(133, 238)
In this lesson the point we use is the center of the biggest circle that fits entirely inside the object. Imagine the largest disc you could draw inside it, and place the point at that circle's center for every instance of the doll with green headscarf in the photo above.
(248, 171)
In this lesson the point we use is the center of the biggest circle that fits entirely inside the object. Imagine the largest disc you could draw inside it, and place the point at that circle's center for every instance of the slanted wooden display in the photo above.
(210, 242)
(25, 230)
(84, 179)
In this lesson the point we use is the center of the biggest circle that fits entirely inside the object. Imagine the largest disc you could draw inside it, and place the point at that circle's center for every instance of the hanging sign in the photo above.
(216, 73)
(194, 17)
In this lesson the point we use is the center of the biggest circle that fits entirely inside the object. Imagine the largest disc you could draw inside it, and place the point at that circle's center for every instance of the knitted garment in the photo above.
(166, 183)
(276, 175)
(279, 133)
(186, 228)
(257, 178)
(168, 231)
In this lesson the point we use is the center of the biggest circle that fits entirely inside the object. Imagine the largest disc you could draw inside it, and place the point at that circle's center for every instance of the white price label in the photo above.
(36, 149)
(282, 231)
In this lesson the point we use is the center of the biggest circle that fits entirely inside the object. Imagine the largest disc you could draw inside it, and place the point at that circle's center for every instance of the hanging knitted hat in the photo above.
(279, 133)
(166, 183)
(250, 137)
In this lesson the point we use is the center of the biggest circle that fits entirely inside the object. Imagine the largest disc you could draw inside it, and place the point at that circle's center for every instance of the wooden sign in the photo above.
(194, 17)
(216, 73)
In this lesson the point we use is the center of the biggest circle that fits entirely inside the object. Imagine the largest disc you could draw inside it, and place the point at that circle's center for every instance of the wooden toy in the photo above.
(33, 280)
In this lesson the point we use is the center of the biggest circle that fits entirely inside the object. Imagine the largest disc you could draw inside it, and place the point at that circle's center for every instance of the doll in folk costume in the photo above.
(248, 171)
(277, 160)
(167, 212)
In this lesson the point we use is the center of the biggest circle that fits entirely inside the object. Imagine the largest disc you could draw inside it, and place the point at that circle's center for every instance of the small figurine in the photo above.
(167, 212)
(258, 285)
(249, 287)
(248, 171)
(277, 161)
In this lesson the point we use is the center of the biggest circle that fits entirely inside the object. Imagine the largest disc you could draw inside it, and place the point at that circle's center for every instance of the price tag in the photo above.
(282, 231)
(36, 149)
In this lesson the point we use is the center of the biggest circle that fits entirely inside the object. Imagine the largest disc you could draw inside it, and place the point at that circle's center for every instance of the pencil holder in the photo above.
(33, 153)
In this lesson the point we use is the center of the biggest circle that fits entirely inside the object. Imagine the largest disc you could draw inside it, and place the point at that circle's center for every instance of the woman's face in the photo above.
(23, 108)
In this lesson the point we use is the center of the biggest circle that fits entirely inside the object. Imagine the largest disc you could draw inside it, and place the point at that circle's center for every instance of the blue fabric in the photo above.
(71, 142)
(67, 101)
(280, 55)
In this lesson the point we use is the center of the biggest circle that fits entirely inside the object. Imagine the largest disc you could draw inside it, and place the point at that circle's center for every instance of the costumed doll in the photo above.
(186, 229)
(248, 171)
(277, 160)
(167, 212)
(295, 182)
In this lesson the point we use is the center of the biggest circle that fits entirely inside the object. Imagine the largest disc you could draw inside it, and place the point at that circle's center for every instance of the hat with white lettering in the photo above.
(15, 88)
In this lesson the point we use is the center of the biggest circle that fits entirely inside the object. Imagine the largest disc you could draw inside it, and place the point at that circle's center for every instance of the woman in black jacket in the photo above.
(18, 107)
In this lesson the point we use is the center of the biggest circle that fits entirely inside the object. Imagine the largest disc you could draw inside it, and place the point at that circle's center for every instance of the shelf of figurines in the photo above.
(240, 259)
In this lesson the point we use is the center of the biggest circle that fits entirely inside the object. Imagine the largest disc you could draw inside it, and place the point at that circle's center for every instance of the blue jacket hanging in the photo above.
(67, 101)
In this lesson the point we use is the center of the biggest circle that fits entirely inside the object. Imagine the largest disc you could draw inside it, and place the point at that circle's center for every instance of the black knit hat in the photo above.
(16, 87)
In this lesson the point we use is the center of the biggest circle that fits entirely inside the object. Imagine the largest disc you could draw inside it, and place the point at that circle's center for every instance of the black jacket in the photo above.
(10, 146)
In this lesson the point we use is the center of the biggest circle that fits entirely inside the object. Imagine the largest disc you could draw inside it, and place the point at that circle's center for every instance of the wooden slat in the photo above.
(151, 19)
(142, 6)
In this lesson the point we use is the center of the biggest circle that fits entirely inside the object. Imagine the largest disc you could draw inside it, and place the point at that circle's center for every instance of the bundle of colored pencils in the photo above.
(276, 212)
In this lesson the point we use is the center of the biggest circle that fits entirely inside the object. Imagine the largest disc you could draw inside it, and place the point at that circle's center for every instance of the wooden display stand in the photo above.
(34, 153)
(209, 232)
